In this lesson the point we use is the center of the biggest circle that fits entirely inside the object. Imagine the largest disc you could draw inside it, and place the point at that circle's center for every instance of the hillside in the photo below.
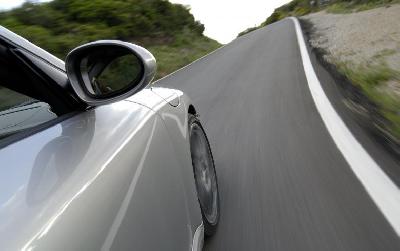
(168, 30)
(304, 7)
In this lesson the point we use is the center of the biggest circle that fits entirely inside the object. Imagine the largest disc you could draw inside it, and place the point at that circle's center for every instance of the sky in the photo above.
(8, 4)
(223, 19)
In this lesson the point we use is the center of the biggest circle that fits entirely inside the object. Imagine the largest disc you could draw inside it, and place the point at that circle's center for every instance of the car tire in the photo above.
(205, 175)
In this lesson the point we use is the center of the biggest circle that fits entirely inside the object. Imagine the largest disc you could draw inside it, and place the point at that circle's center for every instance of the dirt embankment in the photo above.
(362, 37)
(364, 48)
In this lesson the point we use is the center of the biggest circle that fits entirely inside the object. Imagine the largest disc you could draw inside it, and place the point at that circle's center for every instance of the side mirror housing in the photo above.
(107, 71)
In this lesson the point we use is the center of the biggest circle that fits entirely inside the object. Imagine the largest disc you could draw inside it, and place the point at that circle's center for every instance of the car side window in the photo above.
(19, 112)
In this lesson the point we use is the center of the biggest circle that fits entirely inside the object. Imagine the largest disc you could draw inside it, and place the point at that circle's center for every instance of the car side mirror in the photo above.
(107, 71)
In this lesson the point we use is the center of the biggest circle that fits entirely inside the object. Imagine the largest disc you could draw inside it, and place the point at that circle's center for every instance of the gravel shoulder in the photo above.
(361, 38)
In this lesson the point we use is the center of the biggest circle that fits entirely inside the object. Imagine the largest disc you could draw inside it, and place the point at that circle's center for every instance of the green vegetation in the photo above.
(174, 56)
(372, 80)
(167, 30)
(303, 7)
(342, 7)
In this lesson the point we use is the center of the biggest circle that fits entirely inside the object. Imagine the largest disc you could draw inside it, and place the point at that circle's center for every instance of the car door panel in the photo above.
(157, 217)
(175, 118)
(79, 184)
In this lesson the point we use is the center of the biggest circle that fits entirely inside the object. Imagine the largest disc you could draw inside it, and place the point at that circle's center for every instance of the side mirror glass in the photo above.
(107, 71)
(111, 71)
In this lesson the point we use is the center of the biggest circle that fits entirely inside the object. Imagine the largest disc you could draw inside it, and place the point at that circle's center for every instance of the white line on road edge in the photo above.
(382, 190)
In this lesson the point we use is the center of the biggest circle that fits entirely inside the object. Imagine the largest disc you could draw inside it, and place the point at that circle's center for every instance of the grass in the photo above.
(183, 51)
(349, 7)
(371, 79)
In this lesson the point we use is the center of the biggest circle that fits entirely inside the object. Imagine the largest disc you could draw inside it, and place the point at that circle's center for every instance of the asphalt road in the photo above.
(283, 183)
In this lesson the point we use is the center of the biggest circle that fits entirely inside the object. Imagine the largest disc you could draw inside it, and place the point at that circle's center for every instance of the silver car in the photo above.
(92, 157)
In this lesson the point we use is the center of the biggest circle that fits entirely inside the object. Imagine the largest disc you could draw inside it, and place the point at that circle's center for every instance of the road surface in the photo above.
(284, 185)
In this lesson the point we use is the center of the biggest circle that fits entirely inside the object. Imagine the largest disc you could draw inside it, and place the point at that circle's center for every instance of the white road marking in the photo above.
(382, 190)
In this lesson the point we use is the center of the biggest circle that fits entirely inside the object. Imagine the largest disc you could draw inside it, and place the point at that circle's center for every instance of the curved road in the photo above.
(284, 184)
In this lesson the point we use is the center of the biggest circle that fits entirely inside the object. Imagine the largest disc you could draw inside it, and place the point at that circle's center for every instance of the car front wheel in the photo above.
(205, 175)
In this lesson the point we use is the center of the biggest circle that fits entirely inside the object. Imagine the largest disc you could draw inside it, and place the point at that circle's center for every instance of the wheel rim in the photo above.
(205, 177)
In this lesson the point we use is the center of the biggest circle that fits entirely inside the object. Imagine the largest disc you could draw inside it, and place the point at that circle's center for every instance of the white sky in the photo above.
(8, 4)
(223, 19)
